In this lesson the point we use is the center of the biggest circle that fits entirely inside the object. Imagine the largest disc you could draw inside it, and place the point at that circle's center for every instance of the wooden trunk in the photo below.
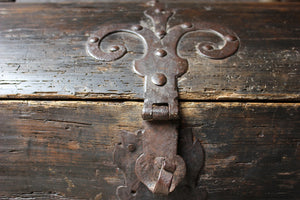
(62, 111)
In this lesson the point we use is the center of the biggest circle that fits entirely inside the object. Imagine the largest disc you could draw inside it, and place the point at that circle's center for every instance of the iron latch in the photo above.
(150, 156)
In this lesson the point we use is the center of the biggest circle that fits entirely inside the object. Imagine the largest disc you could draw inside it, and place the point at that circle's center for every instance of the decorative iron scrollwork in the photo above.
(150, 157)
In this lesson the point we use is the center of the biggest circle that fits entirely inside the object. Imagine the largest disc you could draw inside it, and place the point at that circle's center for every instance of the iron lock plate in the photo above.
(149, 158)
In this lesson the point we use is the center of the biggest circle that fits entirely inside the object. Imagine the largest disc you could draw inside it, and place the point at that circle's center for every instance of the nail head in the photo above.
(159, 79)
(114, 48)
(94, 40)
(160, 53)
(208, 47)
(231, 38)
(136, 27)
(131, 147)
(158, 10)
(187, 25)
(161, 33)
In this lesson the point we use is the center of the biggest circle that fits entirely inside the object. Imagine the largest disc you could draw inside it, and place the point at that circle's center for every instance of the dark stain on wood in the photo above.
(64, 148)
(43, 52)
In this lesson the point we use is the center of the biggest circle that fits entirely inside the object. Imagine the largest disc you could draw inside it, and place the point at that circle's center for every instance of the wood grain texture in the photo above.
(63, 149)
(42, 52)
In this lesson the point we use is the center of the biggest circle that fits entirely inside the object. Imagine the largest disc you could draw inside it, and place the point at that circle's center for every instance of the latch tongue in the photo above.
(159, 167)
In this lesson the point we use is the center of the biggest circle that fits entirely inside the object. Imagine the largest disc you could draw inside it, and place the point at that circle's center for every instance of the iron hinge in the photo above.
(151, 156)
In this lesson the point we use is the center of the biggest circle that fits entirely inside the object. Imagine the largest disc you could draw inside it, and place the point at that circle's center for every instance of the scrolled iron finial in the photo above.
(159, 17)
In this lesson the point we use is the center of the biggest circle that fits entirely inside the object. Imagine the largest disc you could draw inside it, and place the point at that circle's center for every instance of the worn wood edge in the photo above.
(183, 104)
(132, 97)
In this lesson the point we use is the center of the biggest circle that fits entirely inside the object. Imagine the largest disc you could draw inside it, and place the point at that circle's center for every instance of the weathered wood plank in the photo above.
(63, 149)
(42, 52)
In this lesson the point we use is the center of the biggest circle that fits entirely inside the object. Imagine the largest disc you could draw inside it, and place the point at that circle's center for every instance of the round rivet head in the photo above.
(159, 79)
(94, 40)
(131, 147)
(230, 38)
(114, 48)
(158, 10)
(187, 25)
(160, 53)
(208, 47)
(161, 33)
(136, 27)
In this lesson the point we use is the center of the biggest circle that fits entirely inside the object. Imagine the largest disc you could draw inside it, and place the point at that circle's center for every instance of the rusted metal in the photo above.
(125, 155)
(158, 166)
(159, 79)
(161, 56)
(192, 153)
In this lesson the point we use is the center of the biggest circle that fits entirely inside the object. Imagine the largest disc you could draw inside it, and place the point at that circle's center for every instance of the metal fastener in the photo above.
(156, 164)
(159, 79)
(160, 53)
(114, 48)
(136, 27)
(161, 33)
(208, 47)
(94, 40)
(187, 25)
(158, 10)
(230, 38)
(131, 147)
